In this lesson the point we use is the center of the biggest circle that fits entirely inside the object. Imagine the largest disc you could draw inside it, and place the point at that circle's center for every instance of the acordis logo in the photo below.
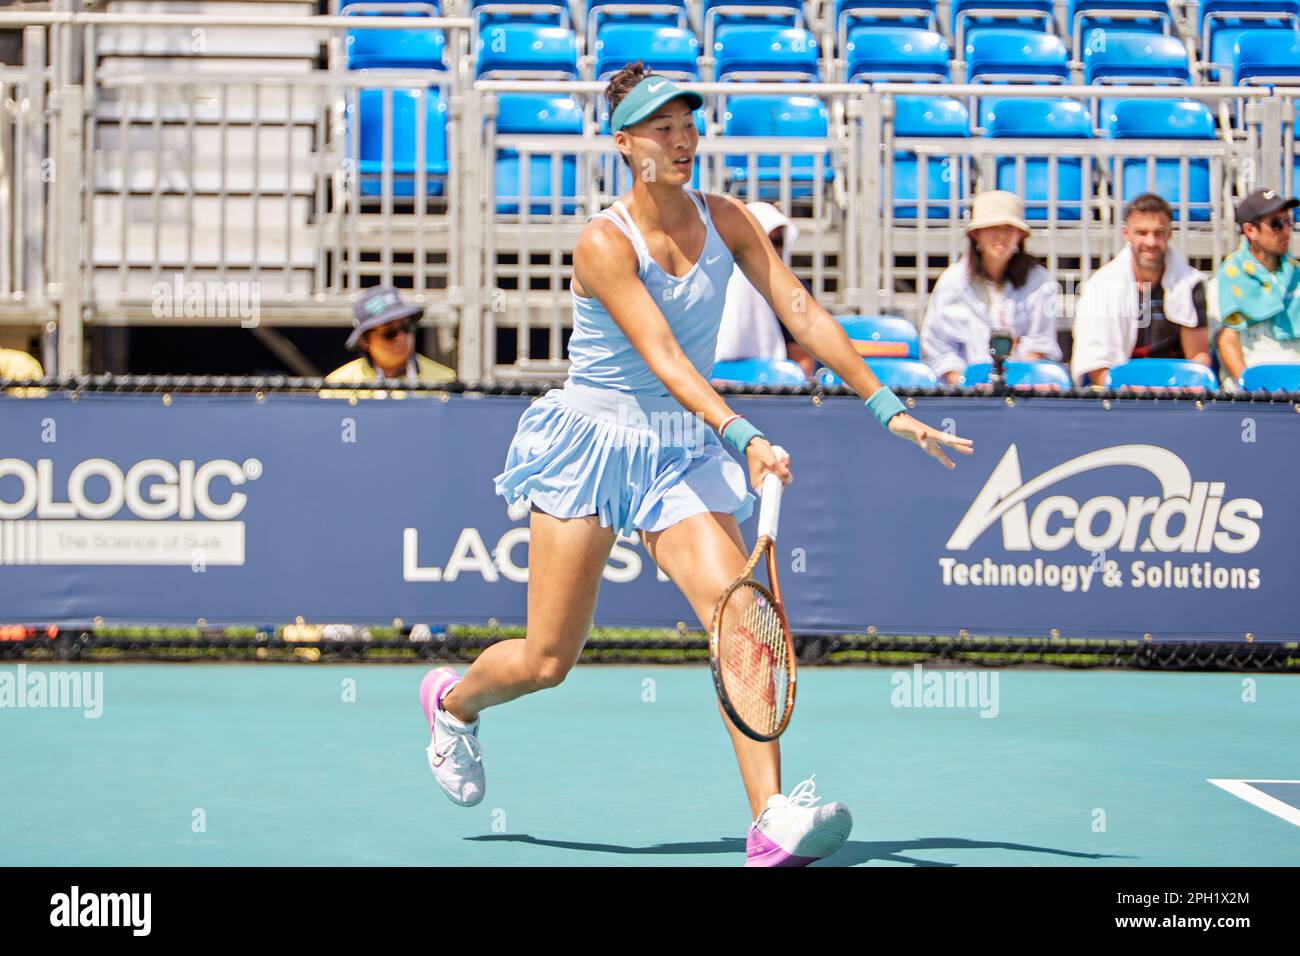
(1187, 517)
(152, 512)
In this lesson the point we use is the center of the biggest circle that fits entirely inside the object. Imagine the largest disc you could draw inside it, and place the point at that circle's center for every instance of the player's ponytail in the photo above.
(621, 84)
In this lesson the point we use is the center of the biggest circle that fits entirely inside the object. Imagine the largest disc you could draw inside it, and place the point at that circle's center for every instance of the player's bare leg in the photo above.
(565, 559)
(703, 555)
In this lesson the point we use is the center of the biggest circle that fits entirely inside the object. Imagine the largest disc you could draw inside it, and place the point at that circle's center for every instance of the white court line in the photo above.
(1243, 789)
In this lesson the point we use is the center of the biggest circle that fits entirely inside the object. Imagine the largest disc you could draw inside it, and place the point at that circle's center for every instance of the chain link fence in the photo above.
(398, 642)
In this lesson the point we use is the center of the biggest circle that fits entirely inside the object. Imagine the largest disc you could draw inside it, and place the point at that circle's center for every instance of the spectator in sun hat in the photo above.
(997, 284)
(1254, 308)
(383, 328)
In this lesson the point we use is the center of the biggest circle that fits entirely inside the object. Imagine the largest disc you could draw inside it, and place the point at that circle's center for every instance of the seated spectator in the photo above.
(749, 328)
(1255, 300)
(1147, 302)
(20, 367)
(384, 329)
(997, 285)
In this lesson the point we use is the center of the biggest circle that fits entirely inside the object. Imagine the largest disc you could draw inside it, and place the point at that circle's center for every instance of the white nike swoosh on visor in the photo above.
(654, 87)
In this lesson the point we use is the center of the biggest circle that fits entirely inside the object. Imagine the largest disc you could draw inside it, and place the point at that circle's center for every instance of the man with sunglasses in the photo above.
(1255, 306)
(383, 327)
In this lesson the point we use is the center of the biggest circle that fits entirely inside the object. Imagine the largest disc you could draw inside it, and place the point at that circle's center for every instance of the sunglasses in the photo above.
(406, 328)
(1277, 224)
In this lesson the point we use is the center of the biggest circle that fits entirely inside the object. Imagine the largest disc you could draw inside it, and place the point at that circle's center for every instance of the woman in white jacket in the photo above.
(997, 285)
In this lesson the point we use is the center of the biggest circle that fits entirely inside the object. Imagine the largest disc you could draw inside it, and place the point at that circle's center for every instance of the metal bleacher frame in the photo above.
(481, 273)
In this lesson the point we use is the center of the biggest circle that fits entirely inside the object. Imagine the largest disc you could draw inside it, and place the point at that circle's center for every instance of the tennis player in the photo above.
(648, 284)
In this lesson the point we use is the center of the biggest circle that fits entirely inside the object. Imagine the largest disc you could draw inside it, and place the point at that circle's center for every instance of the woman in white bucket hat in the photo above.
(997, 284)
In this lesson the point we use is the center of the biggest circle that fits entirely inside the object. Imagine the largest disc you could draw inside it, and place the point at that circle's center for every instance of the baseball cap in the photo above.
(1261, 203)
(647, 96)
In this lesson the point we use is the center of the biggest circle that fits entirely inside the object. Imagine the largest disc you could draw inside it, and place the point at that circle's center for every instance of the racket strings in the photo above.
(754, 658)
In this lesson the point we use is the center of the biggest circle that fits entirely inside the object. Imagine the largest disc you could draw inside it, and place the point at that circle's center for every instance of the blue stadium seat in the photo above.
(1047, 119)
(1127, 57)
(1271, 378)
(892, 372)
(1163, 119)
(662, 12)
(403, 148)
(393, 49)
(1134, 16)
(996, 55)
(1042, 374)
(1267, 57)
(537, 113)
(945, 177)
(753, 51)
(434, 7)
(715, 13)
(525, 50)
(970, 16)
(664, 49)
(1224, 21)
(1162, 373)
(758, 371)
(896, 53)
(386, 8)
(767, 116)
(919, 14)
(489, 13)
(881, 336)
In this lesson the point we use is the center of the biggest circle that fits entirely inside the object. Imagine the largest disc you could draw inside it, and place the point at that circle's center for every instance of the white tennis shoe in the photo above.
(792, 832)
(455, 754)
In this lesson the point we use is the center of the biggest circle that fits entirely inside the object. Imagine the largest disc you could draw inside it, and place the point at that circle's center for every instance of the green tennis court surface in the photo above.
(619, 766)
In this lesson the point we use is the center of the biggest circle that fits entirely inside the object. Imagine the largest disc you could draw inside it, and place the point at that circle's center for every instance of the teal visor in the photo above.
(646, 97)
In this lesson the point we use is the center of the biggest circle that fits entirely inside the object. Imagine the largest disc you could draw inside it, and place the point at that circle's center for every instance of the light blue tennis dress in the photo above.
(612, 442)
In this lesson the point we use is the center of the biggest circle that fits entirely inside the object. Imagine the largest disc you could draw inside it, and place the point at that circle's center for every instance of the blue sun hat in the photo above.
(377, 307)
(646, 97)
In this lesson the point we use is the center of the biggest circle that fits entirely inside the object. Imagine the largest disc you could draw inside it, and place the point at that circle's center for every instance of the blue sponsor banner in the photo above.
(1144, 518)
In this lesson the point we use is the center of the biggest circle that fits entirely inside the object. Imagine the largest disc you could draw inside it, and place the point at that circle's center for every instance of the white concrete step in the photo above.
(110, 285)
(251, 41)
(179, 95)
(285, 161)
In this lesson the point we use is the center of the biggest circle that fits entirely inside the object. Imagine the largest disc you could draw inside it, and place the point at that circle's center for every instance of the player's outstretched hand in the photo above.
(932, 441)
(762, 459)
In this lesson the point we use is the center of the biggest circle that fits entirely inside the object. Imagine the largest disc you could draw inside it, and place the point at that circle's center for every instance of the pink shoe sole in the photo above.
(760, 851)
(433, 687)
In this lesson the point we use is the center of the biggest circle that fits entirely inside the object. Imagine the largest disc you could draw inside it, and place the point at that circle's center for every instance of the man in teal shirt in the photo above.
(1257, 289)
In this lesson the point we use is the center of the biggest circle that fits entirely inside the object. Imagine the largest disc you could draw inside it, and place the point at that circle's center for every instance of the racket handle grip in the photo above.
(769, 508)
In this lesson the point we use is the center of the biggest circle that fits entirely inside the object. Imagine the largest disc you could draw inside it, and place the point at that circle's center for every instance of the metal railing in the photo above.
(26, 173)
(135, 182)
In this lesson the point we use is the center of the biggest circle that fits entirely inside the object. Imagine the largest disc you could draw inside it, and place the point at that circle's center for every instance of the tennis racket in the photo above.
(750, 650)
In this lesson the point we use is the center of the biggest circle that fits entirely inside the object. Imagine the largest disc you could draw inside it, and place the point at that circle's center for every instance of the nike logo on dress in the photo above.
(654, 87)
(709, 262)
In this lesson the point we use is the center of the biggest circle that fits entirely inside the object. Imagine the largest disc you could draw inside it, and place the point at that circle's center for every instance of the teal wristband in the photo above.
(884, 404)
(739, 434)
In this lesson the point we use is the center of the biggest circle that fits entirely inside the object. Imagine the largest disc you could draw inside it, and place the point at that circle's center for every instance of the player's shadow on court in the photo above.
(853, 853)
